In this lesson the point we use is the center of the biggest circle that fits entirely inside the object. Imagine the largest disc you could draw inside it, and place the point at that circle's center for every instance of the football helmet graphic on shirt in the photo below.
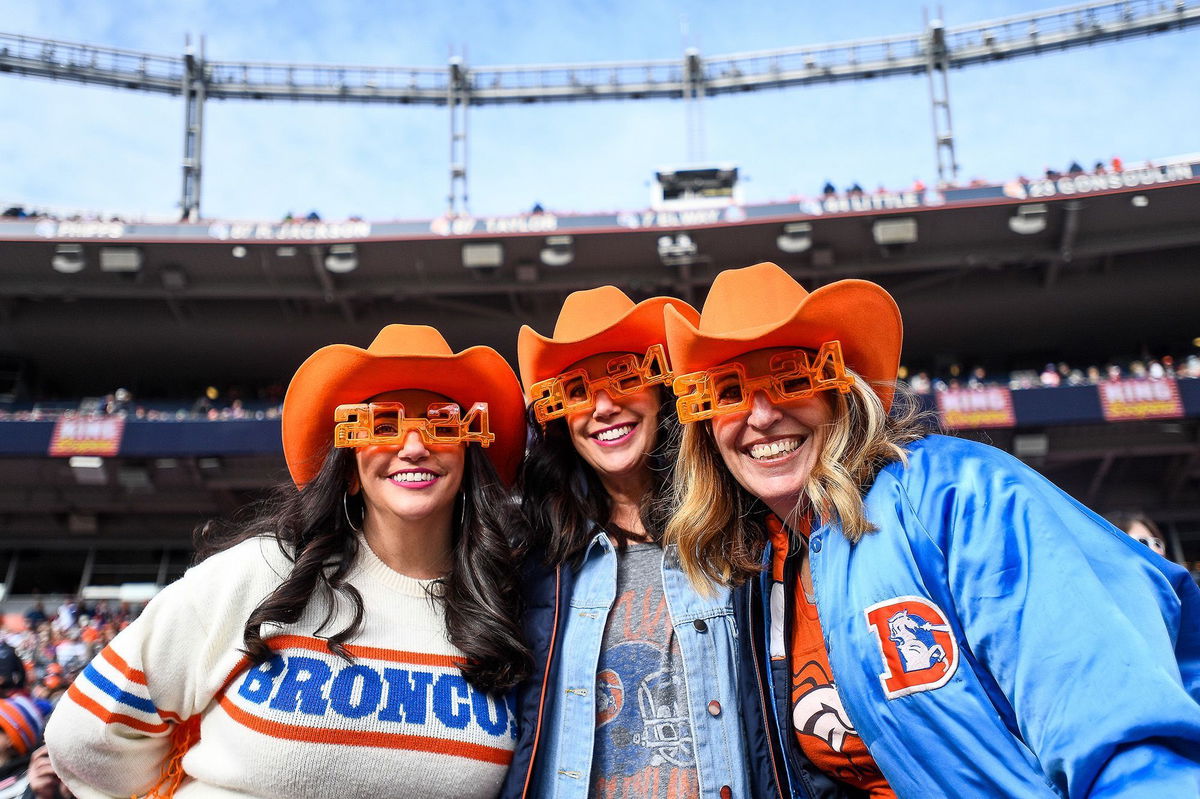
(818, 711)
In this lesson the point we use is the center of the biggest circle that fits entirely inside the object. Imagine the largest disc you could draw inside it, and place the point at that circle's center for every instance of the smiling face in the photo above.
(771, 449)
(414, 482)
(618, 434)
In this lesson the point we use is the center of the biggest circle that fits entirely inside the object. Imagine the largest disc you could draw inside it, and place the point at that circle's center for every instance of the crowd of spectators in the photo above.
(55, 647)
(40, 655)
(1052, 375)
(1075, 169)
(855, 189)
(212, 405)
(37, 214)
(228, 405)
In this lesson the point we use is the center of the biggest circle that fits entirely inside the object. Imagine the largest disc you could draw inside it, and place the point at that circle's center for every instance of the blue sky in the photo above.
(87, 147)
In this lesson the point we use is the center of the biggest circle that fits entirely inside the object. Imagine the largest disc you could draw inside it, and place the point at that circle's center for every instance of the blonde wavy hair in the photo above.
(718, 525)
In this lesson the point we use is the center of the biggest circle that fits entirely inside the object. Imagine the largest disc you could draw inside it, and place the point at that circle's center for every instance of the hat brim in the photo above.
(541, 357)
(341, 374)
(858, 313)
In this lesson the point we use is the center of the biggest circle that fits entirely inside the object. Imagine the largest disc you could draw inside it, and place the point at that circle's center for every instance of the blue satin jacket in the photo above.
(995, 638)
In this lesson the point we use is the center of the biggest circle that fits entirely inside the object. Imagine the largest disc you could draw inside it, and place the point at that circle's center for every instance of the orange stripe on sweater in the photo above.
(130, 673)
(382, 740)
(371, 652)
(134, 676)
(107, 716)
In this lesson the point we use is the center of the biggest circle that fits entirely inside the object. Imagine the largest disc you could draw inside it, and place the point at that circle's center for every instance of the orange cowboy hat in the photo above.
(400, 357)
(598, 320)
(762, 306)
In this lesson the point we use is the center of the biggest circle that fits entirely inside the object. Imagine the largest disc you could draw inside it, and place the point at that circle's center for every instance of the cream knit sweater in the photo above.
(398, 721)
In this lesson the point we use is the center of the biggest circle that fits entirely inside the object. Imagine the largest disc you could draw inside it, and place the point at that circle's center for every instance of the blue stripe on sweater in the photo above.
(124, 697)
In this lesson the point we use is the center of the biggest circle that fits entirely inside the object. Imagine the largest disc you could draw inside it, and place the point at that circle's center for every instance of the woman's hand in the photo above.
(43, 782)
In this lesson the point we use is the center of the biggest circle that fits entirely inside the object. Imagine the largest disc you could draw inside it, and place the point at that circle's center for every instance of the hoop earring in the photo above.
(462, 513)
(346, 510)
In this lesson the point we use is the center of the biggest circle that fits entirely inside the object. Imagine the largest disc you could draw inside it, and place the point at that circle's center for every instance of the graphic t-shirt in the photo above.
(643, 747)
(823, 729)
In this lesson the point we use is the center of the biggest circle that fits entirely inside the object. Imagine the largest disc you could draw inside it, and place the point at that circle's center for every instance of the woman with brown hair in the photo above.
(634, 691)
(359, 635)
(926, 617)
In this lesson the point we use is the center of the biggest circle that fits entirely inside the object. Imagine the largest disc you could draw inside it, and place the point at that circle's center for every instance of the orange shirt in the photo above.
(823, 730)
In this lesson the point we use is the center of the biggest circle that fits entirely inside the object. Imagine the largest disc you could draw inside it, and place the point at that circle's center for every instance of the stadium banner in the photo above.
(1042, 189)
(1124, 400)
(79, 435)
(546, 223)
(531, 224)
(988, 406)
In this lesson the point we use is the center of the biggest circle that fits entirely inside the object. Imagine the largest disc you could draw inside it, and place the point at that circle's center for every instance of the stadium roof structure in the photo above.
(458, 86)
(1081, 268)
(1010, 273)
(907, 54)
(1013, 275)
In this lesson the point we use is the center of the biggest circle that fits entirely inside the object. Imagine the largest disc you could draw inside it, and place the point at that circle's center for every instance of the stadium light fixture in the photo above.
(82, 524)
(1028, 220)
(88, 470)
(559, 251)
(677, 249)
(796, 238)
(483, 255)
(341, 259)
(135, 479)
(526, 272)
(120, 259)
(890, 232)
(239, 251)
(85, 462)
(1139, 201)
(285, 252)
(68, 259)
(1031, 445)
(174, 278)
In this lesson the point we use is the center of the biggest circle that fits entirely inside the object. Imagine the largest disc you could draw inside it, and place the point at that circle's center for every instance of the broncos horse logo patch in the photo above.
(919, 651)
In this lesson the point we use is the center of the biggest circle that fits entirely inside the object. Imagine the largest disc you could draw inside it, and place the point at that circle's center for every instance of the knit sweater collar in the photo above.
(370, 567)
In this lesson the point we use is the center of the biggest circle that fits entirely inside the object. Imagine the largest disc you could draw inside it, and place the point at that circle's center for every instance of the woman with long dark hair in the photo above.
(925, 617)
(358, 636)
(634, 690)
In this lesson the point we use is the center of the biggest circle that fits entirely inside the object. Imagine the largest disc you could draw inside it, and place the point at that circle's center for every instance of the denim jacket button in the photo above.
(816, 543)
(714, 708)
(700, 626)
(726, 792)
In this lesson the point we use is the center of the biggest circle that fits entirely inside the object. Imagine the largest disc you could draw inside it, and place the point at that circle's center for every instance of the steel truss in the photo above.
(691, 77)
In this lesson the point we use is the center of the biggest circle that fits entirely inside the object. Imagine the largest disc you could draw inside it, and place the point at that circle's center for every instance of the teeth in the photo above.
(414, 477)
(615, 433)
(759, 451)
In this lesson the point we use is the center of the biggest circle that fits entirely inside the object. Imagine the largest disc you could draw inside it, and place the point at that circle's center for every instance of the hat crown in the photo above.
(586, 313)
(762, 294)
(397, 339)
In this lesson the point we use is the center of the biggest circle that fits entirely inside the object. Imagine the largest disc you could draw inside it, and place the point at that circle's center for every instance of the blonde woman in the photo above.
(927, 617)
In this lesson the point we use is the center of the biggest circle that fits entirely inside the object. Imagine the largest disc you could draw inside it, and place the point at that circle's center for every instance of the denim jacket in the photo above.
(557, 760)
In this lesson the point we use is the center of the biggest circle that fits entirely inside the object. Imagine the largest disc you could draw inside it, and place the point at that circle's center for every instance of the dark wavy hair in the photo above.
(480, 595)
(562, 498)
